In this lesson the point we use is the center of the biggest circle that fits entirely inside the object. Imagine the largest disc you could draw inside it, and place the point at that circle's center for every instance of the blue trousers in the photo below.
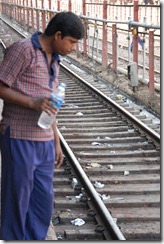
(26, 188)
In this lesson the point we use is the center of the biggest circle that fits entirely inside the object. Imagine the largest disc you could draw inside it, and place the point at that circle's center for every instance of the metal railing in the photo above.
(103, 39)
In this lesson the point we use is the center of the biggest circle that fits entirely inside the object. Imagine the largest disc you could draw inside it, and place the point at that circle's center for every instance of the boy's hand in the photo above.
(44, 105)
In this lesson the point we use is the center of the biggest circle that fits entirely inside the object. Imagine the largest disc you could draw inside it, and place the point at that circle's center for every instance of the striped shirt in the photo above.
(25, 70)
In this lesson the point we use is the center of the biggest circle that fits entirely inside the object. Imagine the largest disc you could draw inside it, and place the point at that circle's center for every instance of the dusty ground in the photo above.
(142, 93)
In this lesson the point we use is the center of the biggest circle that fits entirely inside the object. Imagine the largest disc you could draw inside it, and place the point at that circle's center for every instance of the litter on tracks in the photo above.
(78, 222)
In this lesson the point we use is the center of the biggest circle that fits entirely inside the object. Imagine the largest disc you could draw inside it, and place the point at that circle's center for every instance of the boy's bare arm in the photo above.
(58, 150)
(10, 96)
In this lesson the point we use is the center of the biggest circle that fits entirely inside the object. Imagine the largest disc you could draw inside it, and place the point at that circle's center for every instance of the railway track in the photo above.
(121, 161)
(114, 157)
(11, 33)
(133, 106)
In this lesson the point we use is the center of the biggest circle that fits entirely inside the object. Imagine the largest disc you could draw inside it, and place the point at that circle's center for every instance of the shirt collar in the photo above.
(36, 44)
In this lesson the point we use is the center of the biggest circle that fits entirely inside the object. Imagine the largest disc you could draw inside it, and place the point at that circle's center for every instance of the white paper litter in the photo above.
(119, 97)
(105, 197)
(98, 185)
(126, 172)
(75, 198)
(78, 222)
(63, 127)
(95, 143)
(95, 165)
(107, 138)
(79, 114)
(110, 166)
(74, 182)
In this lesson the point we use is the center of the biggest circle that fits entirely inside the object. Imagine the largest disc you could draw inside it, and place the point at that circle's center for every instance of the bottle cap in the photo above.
(63, 84)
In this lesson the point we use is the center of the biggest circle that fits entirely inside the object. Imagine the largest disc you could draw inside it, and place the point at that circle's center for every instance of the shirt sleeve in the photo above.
(13, 63)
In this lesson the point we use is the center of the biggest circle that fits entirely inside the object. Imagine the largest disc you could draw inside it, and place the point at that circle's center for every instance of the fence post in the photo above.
(151, 61)
(28, 14)
(85, 30)
(24, 17)
(135, 36)
(15, 11)
(70, 5)
(104, 43)
(19, 10)
(58, 7)
(49, 4)
(43, 17)
(50, 7)
(11, 9)
(114, 46)
(32, 15)
(37, 15)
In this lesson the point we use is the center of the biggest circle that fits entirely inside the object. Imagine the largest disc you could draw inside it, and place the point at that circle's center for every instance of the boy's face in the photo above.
(64, 46)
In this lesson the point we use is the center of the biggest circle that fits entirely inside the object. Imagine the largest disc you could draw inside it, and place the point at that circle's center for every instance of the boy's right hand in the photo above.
(44, 104)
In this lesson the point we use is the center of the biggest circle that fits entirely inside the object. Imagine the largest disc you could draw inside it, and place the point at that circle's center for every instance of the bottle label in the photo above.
(57, 102)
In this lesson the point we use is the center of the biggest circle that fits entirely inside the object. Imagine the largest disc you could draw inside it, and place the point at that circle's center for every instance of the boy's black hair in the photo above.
(68, 23)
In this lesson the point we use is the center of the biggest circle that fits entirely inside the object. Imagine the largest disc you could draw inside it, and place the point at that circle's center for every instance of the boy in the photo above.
(28, 74)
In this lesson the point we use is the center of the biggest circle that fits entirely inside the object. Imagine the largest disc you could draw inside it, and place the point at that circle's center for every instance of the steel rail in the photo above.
(136, 121)
(139, 24)
(12, 27)
(107, 218)
(2, 43)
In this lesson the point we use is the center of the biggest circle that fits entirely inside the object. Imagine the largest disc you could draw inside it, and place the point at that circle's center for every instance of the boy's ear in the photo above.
(58, 35)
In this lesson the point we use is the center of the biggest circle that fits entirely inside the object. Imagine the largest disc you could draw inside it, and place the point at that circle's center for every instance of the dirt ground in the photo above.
(142, 93)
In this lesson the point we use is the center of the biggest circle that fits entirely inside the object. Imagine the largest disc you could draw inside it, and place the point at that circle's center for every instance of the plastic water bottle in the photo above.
(45, 120)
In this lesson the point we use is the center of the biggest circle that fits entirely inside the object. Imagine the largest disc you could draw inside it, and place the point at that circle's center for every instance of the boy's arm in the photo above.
(58, 150)
(10, 96)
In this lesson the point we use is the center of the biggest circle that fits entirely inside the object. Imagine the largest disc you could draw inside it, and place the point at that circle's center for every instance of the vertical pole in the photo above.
(24, 21)
(58, 7)
(16, 9)
(104, 43)
(28, 17)
(85, 30)
(88, 36)
(70, 5)
(151, 61)
(43, 17)
(49, 4)
(18, 14)
(37, 15)
(32, 15)
(3, 9)
(144, 56)
(50, 7)
(7, 9)
(10, 11)
(114, 46)
(129, 18)
(135, 37)
(97, 39)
